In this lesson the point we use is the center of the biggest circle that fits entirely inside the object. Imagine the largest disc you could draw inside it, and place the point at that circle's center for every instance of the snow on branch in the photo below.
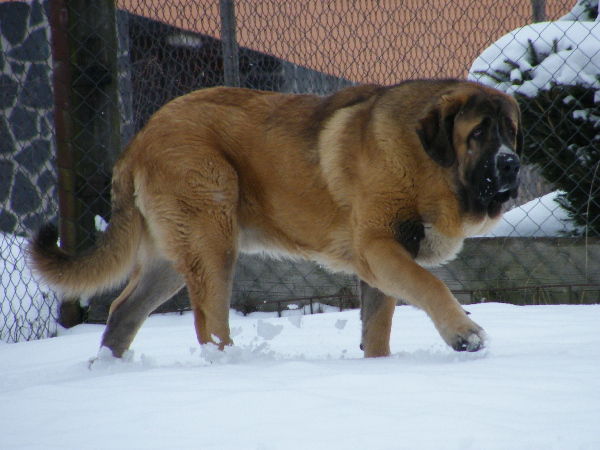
(542, 55)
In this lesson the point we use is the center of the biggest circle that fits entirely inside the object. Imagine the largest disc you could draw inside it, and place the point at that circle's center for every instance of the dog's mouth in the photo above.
(508, 191)
(492, 196)
(501, 197)
(497, 187)
(494, 203)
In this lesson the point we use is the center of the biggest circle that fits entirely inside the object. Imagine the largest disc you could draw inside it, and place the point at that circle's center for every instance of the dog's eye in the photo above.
(511, 129)
(481, 128)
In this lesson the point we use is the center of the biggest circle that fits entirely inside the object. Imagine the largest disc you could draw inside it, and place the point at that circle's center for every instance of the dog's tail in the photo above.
(104, 266)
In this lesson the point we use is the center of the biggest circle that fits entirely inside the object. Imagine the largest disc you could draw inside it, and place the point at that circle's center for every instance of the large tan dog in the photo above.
(374, 181)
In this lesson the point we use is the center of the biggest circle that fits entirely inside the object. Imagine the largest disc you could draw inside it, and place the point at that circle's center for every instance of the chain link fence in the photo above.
(79, 78)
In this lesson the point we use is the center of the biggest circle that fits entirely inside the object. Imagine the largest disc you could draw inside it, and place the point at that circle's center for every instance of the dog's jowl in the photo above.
(376, 181)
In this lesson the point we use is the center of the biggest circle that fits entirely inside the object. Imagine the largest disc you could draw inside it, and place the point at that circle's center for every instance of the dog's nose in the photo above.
(508, 166)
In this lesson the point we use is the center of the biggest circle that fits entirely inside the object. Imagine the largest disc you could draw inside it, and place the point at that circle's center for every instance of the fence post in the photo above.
(87, 120)
(231, 64)
(84, 46)
(538, 11)
(59, 24)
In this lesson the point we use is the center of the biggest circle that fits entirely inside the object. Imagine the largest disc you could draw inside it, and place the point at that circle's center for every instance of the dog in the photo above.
(377, 181)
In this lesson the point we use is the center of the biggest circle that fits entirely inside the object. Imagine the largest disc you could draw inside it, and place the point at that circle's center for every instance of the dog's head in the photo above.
(477, 131)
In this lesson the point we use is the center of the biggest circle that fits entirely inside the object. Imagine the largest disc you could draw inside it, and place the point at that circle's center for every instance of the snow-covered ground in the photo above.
(299, 382)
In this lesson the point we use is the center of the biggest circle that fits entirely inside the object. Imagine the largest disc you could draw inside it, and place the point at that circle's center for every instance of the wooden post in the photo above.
(84, 46)
(63, 124)
(231, 63)
(87, 121)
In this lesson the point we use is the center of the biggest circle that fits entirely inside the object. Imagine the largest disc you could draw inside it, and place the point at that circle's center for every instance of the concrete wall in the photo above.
(510, 269)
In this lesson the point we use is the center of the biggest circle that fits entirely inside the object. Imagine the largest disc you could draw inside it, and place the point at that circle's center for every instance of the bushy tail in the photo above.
(102, 267)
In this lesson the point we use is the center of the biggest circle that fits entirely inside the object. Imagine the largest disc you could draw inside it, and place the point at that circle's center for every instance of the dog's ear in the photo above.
(436, 131)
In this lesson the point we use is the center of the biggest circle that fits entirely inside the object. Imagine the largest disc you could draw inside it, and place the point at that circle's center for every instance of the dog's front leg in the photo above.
(376, 311)
(386, 265)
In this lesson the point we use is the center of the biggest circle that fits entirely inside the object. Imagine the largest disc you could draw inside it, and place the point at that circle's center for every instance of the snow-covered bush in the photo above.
(585, 10)
(553, 70)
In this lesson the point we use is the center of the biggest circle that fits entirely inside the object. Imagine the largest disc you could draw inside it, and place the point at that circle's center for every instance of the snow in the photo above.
(574, 60)
(583, 11)
(536, 386)
(300, 382)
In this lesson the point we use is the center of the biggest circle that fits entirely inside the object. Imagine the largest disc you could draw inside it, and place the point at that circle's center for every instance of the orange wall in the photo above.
(364, 41)
(381, 41)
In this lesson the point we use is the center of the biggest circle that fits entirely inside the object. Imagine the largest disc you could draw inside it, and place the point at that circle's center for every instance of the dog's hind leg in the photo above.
(191, 204)
(376, 311)
(209, 280)
(148, 288)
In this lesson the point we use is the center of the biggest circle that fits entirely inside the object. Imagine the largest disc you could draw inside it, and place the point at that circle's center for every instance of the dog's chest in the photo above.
(436, 248)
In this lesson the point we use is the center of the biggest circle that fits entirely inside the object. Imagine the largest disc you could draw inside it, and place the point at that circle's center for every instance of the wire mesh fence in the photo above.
(79, 78)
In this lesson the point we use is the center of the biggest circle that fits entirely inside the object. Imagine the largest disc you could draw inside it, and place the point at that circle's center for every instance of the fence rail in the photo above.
(79, 78)
(576, 294)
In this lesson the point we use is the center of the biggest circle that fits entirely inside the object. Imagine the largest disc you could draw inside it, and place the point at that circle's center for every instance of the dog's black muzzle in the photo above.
(498, 180)
(508, 167)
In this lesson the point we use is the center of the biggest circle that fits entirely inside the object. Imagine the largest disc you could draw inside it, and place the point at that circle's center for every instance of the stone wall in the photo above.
(28, 181)
(27, 171)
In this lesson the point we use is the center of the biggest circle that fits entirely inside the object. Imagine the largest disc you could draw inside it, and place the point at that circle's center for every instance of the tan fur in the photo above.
(222, 171)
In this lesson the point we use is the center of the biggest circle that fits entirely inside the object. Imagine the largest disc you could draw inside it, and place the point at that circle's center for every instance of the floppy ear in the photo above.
(436, 129)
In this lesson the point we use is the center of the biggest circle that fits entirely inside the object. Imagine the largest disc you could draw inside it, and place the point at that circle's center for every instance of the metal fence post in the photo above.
(231, 64)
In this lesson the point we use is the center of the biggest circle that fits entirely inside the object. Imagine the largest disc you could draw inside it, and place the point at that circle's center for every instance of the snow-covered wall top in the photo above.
(541, 55)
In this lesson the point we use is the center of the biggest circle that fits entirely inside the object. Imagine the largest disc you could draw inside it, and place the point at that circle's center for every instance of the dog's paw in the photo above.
(472, 343)
(467, 338)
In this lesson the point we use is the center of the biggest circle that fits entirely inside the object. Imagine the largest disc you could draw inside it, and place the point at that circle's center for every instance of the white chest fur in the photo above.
(436, 248)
